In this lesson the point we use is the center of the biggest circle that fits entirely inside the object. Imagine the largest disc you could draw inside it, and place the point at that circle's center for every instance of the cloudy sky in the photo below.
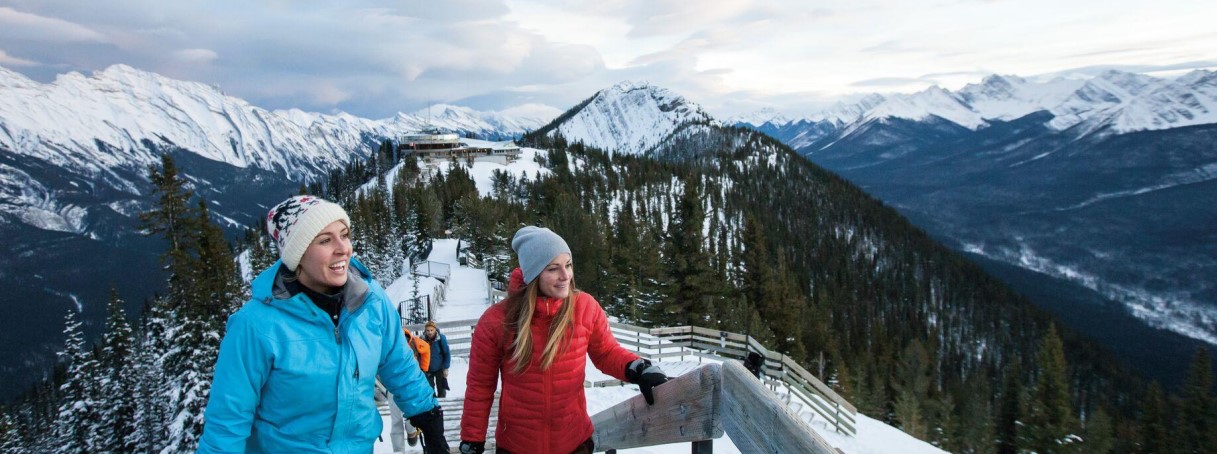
(375, 58)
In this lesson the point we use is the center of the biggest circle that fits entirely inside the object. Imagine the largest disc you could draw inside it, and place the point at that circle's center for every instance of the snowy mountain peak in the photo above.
(630, 85)
(107, 128)
(760, 117)
(1199, 78)
(1114, 101)
(629, 117)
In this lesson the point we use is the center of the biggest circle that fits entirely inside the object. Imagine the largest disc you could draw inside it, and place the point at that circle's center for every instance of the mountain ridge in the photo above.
(1115, 101)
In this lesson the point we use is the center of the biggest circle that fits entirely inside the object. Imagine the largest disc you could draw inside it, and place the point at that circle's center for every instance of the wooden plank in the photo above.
(671, 330)
(757, 421)
(716, 334)
(686, 409)
(625, 327)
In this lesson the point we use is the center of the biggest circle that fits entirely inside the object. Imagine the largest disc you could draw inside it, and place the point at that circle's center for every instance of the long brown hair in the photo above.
(521, 306)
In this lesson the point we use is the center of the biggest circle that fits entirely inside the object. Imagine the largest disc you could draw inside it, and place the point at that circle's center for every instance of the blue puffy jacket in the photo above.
(441, 357)
(288, 380)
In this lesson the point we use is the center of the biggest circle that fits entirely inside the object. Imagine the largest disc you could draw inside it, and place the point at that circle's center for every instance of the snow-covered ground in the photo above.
(467, 299)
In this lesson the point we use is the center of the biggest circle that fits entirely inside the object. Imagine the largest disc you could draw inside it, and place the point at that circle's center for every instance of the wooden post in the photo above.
(703, 447)
(686, 410)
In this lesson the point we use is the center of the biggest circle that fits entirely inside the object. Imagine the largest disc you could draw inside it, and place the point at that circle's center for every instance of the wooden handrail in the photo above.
(799, 383)
(700, 406)
(779, 370)
(686, 409)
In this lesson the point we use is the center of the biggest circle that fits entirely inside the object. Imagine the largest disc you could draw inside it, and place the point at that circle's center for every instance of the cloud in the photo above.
(9, 60)
(887, 82)
(532, 110)
(373, 57)
(195, 55)
(25, 26)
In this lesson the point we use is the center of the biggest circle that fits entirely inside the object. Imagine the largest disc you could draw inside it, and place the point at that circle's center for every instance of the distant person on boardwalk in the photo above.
(537, 342)
(401, 429)
(441, 359)
(297, 368)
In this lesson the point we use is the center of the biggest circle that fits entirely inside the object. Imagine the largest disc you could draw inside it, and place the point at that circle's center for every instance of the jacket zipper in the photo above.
(548, 387)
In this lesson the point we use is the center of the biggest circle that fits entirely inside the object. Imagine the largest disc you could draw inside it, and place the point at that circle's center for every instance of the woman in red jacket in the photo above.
(537, 341)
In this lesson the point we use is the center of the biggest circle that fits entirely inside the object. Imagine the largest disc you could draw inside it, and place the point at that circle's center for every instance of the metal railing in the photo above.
(438, 270)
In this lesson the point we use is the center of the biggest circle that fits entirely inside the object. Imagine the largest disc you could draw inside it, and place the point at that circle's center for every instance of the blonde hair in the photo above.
(521, 306)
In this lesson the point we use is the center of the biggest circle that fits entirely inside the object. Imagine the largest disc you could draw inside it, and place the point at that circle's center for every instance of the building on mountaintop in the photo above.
(434, 146)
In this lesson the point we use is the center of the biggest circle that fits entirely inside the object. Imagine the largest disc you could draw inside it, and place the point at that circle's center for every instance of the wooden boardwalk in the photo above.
(453, 407)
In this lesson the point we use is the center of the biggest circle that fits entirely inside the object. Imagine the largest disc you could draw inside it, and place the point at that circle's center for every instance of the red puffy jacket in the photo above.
(539, 411)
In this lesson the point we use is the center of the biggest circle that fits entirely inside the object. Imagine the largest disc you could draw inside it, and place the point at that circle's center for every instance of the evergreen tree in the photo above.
(1009, 425)
(261, 253)
(152, 408)
(1099, 432)
(10, 437)
(1197, 430)
(1051, 426)
(688, 263)
(190, 361)
(170, 218)
(78, 409)
(1154, 436)
(911, 386)
(117, 404)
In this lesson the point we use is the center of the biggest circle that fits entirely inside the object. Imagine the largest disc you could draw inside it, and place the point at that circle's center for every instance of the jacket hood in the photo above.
(515, 283)
(270, 288)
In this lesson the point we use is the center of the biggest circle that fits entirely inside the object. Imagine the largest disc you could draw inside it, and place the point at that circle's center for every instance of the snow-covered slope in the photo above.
(628, 118)
(485, 125)
(1118, 102)
(105, 129)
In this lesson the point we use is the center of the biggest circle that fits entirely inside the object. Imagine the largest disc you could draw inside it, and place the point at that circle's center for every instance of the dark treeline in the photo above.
(718, 227)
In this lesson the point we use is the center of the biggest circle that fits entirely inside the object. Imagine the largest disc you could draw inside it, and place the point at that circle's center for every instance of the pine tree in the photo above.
(911, 386)
(1009, 426)
(1051, 426)
(190, 361)
(170, 218)
(261, 254)
(78, 412)
(1197, 431)
(1099, 432)
(1154, 436)
(116, 369)
(688, 263)
(152, 408)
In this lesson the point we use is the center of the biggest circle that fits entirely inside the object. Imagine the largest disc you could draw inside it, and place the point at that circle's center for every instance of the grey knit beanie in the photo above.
(537, 246)
(294, 223)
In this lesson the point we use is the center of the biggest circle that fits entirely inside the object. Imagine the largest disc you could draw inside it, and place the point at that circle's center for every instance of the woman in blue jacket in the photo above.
(297, 368)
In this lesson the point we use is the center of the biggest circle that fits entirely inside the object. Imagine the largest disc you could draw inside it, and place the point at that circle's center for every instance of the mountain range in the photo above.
(74, 158)
(1104, 184)
(1107, 184)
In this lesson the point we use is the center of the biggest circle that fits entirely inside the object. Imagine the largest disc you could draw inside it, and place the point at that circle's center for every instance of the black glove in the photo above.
(432, 425)
(473, 447)
(640, 372)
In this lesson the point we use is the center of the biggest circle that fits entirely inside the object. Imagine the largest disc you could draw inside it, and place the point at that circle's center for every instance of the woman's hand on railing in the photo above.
(647, 376)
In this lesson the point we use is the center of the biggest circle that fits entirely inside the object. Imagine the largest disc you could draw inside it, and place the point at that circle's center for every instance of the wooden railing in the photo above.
(700, 406)
(779, 373)
(784, 378)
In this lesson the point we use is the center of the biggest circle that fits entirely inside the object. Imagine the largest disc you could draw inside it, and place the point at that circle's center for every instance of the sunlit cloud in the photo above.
(375, 58)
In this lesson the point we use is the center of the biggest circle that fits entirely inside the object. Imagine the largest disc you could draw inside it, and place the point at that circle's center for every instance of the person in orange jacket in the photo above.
(422, 354)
